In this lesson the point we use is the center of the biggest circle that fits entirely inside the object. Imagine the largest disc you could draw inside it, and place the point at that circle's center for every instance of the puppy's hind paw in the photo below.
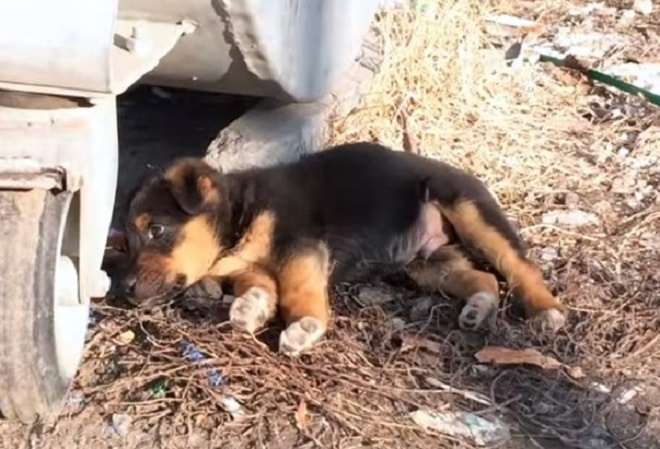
(549, 321)
(477, 309)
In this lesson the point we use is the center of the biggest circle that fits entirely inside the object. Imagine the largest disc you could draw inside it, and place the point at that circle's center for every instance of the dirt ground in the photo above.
(575, 165)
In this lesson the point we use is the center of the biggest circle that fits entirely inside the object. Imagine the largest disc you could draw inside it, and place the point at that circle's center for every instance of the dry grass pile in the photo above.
(444, 91)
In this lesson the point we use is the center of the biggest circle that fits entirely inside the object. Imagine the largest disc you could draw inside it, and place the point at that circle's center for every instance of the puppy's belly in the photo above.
(359, 255)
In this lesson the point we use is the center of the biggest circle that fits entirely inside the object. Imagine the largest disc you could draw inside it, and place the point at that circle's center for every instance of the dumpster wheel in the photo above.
(42, 322)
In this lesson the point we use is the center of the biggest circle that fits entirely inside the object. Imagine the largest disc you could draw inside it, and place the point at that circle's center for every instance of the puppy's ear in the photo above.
(194, 185)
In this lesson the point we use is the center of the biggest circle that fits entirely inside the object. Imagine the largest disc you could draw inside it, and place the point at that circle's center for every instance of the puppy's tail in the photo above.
(480, 224)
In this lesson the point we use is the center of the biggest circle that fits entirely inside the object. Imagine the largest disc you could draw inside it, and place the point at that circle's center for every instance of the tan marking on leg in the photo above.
(523, 277)
(303, 280)
(448, 270)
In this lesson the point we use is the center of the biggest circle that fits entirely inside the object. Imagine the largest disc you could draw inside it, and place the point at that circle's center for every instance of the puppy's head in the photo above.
(173, 231)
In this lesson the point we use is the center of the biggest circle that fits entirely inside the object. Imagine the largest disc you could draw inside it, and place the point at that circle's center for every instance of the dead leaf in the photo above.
(301, 415)
(504, 356)
(413, 342)
(125, 338)
(575, 372)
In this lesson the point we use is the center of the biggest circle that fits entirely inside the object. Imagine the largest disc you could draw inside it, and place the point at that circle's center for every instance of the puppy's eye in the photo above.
(156, 231)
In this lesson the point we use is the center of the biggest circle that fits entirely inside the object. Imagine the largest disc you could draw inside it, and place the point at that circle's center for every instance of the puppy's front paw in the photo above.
(549, 321)
(250, 311)
(477, 309)
(301, 335)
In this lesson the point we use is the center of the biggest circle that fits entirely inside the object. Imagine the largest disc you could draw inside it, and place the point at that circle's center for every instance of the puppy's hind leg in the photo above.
(481, 225)
(448, 270)
(303, 280)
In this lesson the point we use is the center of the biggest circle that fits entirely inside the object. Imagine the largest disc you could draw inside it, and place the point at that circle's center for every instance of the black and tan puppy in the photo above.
(281, 235)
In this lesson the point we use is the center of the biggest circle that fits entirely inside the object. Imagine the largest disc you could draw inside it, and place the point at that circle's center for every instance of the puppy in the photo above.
(282, 235)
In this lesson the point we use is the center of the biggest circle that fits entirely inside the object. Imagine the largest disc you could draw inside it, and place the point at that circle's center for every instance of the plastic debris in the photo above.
(549, 254)
(120, 425)
(159, 389)
(76, 398)
(230, 404)
(481, 431)
(629, 394)
(191, 353)
(125, 338)
(233, 407)
(643, 6)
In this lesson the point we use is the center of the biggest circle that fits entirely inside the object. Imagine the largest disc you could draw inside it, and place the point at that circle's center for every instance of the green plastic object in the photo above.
(609, 80)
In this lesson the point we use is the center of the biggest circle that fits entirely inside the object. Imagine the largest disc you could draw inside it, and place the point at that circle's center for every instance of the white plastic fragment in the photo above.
(233, 407)
(574, 217)
(643, 6)
(120, 425)
(629, 394)
(549, 254)
(481, 431)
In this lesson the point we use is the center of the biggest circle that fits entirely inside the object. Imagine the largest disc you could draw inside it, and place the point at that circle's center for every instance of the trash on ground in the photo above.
(120, 425)
(233, 407)
(125, 338)
(643, 6)
(159, 388)
(191, 353)
(505, 356)
(76, 398)
(479, 430)
(601, 388)
(629, 394)
(573, 217)
(230, 404)
(549, 254)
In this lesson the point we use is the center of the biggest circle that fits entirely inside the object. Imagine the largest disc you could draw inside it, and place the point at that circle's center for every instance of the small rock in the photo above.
(549, 254)
(420, 310)
(398, 324)
(643, 6)
(574, 217)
